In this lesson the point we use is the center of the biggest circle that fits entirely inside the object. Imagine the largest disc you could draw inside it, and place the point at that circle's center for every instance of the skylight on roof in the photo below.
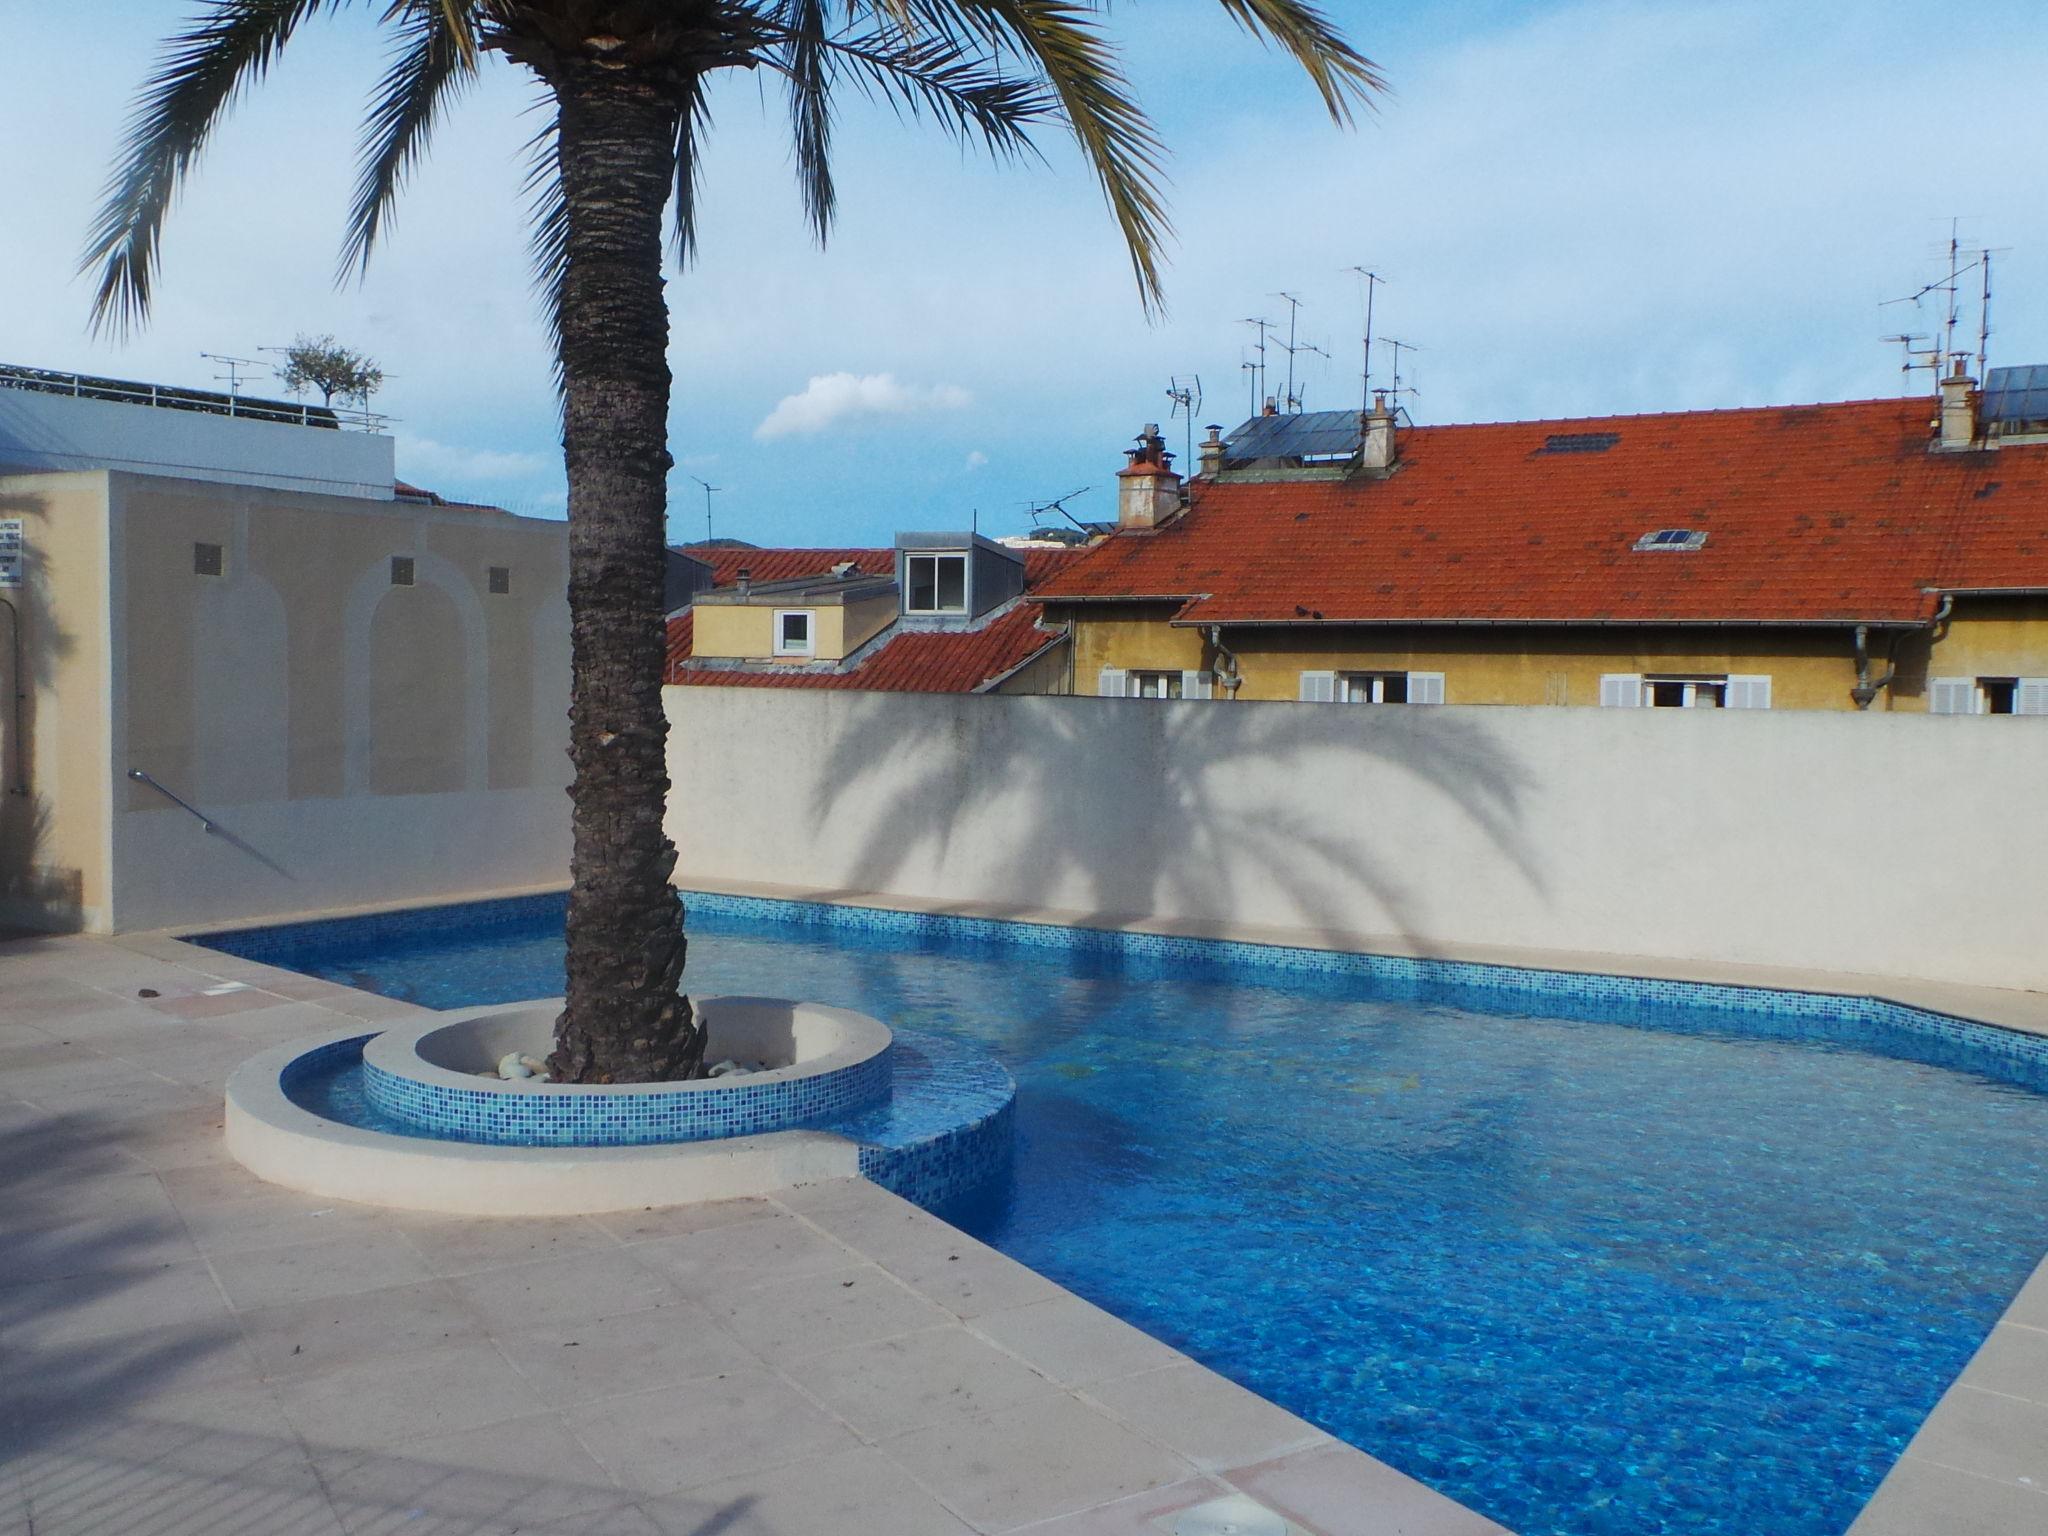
(1579, 442)
(1673, 538)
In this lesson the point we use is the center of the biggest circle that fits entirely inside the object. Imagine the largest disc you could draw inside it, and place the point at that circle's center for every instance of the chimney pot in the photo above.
(1376, 438)
(1958, 425)
(746, 580)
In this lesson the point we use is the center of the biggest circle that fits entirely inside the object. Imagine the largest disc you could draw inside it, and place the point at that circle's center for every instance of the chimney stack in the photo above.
(746, 581)
(1211, 452)
(1147, 488)
(1958, 410)
(1376, 446)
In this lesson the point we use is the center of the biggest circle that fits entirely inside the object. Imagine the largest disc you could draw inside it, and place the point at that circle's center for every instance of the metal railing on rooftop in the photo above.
(169, 397)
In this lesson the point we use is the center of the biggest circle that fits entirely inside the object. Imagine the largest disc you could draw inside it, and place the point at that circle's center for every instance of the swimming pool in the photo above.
(1586, 1276)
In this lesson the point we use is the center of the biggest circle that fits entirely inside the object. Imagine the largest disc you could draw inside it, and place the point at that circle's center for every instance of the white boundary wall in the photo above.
(1893, 845)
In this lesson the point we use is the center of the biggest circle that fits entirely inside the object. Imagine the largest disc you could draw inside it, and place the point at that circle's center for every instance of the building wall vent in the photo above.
(501, 580)
(401, 570)
(206, 560)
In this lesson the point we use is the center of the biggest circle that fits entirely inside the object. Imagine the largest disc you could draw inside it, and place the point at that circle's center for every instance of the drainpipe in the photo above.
(1229, 672)
(1867, 688)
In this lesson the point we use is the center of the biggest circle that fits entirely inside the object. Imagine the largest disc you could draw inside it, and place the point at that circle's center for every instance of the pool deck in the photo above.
(186, 1349)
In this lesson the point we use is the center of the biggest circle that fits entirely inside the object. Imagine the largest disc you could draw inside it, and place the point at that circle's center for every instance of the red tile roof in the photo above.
(1813, 514)
(912, 661)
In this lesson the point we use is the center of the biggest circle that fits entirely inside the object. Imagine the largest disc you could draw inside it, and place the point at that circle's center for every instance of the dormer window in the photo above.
(935, 584)
(795, 634)
(1673, 538)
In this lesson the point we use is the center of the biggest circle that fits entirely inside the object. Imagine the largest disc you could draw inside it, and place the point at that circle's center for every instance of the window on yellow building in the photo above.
(1987, 695)
(1636, 690)
(1120, 683)
(794, 635)
(1372, 687)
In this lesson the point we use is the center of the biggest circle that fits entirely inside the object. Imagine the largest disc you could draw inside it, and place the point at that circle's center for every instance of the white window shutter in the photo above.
(1319, 687)
(2031, 696)
(1425, 687)
(1194, 685)
(1621, 690)
(1112, 683)
(1753, 692)
(1952, 696)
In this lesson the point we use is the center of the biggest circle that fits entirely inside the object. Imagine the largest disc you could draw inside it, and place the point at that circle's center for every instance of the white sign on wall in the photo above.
(10, 551)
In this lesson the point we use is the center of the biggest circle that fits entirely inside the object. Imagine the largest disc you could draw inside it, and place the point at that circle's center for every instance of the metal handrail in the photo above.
(210, 402)
(142, 778)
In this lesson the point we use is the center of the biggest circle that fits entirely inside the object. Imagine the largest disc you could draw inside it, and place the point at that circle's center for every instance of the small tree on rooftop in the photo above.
(625, 85)
(322, 363)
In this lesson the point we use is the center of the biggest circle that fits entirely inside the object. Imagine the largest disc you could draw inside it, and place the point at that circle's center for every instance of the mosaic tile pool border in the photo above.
(592, 1118)
(1897, 1029)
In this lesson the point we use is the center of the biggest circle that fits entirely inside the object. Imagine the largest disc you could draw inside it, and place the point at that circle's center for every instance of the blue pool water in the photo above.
(1584, 1275)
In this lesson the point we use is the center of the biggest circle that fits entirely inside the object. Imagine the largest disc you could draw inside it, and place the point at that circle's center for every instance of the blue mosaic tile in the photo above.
(594, 1118)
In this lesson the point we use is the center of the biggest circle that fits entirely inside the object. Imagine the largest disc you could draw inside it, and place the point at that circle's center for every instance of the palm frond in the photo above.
(1064, 43)
(807, 64)
(203, 71)
(1341, 74)
(964, 93)
(548, 245)
(693, 123)
(434, 58)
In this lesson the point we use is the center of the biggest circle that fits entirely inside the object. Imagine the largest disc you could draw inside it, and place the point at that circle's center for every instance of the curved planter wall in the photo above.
(834, 1062)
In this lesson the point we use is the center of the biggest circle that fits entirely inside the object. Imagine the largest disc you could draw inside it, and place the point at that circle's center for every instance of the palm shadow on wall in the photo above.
(29, 885)
(1040, 765)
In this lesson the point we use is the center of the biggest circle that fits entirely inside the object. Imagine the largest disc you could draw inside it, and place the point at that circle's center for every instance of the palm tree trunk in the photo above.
(625, 1019)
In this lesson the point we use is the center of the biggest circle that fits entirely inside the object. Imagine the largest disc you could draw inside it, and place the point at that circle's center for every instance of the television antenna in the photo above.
(1938, 358)
(233, 376)
(1186, 395)
(1399, 389)
(709, 490)
(1291, 401)
(1369, 280)
(1264, 327)
(1058, 504)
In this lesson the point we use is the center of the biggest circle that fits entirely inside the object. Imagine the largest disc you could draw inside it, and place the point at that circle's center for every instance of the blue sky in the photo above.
(1579, 208)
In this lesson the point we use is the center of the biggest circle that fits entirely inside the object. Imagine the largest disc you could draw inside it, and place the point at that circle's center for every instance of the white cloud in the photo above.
(831, 399)
(424, 458)
(976, 459)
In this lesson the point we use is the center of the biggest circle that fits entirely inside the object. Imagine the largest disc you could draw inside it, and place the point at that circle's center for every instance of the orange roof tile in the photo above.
(1813, 514)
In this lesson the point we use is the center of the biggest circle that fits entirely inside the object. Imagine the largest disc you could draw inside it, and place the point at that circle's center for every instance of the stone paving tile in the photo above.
(109, 1302)
(525, 1473)
(1920, 1498)
(300, 1338)
(829, 1310)
(577, 1361)
(707, 1431)
(52, 1252)
(2013, 1360)
(1142, 1514)
(80, 1381)
(229, 1210)
(1329, 1487)
(734, 1256)
(858, 1493)
(452, 1245)
(1989, 1435)
(897, 1385)
(1051, 1457)
(1074, 1342)
(354, 1261)
(403, 1398)
(1215, 1423)
(680, 1220)
(581, 1287)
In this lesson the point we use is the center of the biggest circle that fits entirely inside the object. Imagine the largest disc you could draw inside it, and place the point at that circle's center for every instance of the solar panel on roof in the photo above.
(1310, 435)
(2015, 394)
(1579, 442)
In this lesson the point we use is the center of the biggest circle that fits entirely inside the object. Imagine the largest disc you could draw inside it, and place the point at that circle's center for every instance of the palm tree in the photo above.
(626, 84)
